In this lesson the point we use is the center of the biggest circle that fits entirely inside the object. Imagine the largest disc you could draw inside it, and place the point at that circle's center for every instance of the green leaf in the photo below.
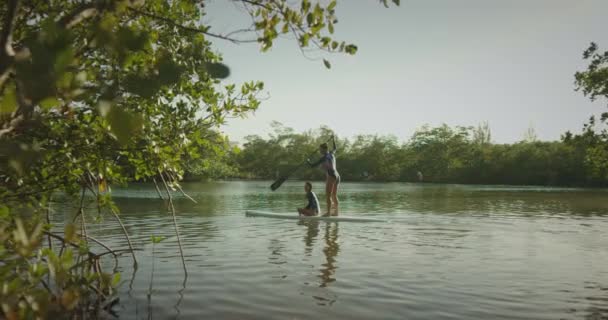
(142, 86)
(70, 232)
(115, 279)
(157, 239)
(327, 64)
(124, 124)
(304, 39)
(49, 103)
(305, 6)
(217, 70)
(332, 5)
(8, 103)
(4, 212)
(132, 40)
(169, 71)
(351, 49)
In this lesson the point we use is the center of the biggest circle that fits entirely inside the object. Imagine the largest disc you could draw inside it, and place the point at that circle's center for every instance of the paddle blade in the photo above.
(277, 183)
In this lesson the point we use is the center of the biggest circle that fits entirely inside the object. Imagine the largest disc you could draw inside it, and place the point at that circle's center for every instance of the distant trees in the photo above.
(439, 154)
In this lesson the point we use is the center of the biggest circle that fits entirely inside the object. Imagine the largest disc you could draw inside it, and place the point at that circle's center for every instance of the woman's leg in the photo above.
(329, 186)
(334, 194)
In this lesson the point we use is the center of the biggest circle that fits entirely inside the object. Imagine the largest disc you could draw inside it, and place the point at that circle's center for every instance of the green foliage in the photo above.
(43, 283)
(593, 142)
(594, 81)
(441, 154)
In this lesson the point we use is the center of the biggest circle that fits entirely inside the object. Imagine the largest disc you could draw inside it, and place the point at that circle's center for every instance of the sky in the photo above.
(460, 62)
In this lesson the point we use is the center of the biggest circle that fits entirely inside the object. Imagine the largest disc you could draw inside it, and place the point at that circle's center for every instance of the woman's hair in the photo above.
(308, 184)
(324, 146)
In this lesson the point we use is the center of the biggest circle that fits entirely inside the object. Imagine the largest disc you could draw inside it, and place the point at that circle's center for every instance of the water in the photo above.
(448, 252)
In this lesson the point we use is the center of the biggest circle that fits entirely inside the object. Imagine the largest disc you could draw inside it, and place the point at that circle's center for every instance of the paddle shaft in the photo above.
(282, 179)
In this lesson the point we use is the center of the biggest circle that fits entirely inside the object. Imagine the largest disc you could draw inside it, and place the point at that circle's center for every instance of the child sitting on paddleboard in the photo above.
(312, 209)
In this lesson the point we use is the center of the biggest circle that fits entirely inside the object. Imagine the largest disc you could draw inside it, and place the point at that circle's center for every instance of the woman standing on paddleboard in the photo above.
(332, 178)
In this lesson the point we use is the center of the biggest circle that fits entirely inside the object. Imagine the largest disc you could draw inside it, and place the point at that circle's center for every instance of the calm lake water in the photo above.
(448, 252)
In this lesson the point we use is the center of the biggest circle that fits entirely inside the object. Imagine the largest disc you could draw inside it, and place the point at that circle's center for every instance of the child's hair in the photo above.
(324, 146)
(308, 184)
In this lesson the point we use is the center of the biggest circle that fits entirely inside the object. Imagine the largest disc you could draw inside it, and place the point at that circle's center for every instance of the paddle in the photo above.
(275, 185)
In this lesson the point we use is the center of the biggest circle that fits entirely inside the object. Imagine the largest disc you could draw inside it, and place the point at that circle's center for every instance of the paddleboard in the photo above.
(295, 216)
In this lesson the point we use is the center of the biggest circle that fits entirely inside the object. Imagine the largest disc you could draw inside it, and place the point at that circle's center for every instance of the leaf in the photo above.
(351, 49)
(69, 299)
(304, 40)
(70, 232)
(327, 64)
(8, 103)
(4, 212)
(115, 279)
(131, 40)
(124, 124)
(49, 103)
(102, 186)
(397, 2)
(169, 71)
(157, 239)
(332, 5)
(217, 70)
(142, 86)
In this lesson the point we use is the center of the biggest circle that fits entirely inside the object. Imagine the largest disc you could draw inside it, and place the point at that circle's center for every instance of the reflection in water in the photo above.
(180, 293)
(276, 248)
(328, 269)
(330, 251)
(311, 235)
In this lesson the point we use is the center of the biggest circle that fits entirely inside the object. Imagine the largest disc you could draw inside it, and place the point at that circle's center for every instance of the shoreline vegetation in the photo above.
(442, 154)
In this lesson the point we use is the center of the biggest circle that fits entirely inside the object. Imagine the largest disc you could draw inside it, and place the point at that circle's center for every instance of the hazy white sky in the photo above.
(460, 62)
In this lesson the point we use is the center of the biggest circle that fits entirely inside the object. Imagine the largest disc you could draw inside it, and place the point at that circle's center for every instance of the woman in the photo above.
(332, 180)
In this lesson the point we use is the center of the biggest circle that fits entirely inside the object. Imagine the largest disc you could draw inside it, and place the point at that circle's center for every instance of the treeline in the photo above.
(433, 154)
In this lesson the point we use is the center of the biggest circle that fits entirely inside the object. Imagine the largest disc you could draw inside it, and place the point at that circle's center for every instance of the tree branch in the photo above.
(190, 29)
(172, 208)
(6, 42)
(7, 28)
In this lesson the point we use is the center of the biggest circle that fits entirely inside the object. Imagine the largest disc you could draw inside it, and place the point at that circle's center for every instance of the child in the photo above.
(312, 209)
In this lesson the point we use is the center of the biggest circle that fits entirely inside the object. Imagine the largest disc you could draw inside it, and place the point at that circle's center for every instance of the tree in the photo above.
(594, 81)
(99, 92)
(530, 135)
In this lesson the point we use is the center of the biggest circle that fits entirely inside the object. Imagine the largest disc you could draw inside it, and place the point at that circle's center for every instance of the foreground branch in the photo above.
(179, 241)
(6, 40)
(190, 29)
